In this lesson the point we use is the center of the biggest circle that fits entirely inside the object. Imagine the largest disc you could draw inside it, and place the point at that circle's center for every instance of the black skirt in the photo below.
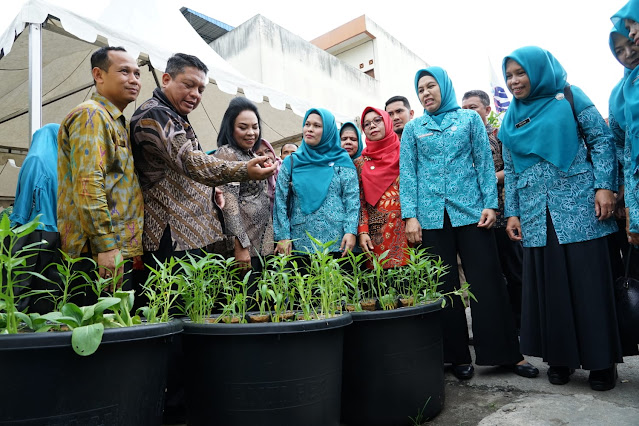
(568, 309)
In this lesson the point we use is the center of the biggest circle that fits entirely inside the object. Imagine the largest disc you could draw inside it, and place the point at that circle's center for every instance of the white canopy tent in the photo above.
(149, 30)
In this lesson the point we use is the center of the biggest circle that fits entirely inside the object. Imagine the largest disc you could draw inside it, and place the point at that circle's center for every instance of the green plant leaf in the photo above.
(25, 319)
(70, 321)
(87, 312)
(27, 228)
(72, 310)
(52, 316)
(105, 303)
(86, 339)
(5, 226)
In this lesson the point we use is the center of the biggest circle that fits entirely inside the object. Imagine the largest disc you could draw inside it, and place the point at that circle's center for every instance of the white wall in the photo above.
(290, 64)
(270, 54)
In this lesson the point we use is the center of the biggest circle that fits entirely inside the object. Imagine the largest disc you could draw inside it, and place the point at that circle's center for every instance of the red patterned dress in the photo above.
(383, 222)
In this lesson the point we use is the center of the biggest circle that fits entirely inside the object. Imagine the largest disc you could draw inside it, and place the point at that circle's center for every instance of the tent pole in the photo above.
(35, 78)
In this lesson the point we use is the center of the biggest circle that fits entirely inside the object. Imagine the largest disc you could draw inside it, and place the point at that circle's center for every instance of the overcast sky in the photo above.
(460, 35)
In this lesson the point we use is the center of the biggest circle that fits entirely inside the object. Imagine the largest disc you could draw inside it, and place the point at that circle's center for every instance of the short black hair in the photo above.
(100, 58)
(176, 64)
(398, 99)
(282, 147)
(236, 106)
(483, 96)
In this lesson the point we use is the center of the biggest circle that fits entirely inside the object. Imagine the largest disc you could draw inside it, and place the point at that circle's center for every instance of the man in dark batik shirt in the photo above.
(176, 175)
(178, 180)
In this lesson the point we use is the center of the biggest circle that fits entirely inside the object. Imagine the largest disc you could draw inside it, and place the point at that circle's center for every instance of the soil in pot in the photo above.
(225, 319)
(258, 318)
(369, 304)
(287, 316)
(406, 302)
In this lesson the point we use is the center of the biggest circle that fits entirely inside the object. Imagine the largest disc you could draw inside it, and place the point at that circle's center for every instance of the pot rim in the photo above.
(397, 312)
(298, 326)
(58, 339)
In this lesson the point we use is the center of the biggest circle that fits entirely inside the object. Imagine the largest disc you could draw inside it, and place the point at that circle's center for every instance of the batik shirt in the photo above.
(338, 215)
(247, 208)
(446, 167)
(495, 147)
(177, 177)
(99, 196)
(383, 222)
(569, 196)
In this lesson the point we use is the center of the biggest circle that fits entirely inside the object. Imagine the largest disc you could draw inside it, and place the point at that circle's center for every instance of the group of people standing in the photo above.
(444, 180)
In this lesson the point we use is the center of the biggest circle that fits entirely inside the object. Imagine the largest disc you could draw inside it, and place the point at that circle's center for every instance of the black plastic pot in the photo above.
(44, 382)
(286, 373)
(393, 364)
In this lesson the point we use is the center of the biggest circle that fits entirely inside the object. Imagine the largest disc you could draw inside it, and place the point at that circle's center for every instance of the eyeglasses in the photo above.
(376, 121)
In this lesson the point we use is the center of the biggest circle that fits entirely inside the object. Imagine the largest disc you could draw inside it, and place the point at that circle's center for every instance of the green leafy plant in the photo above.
(237, 299)
(13, 271)
(377, 282)
(326, 277)
(201, 280)
(413, 284)
(161, 291)
(71, 280)
(302, 292)
(356, 279)
(419, 419)
(422, 277)
(278, 286)
(88, 322)
(199, 285)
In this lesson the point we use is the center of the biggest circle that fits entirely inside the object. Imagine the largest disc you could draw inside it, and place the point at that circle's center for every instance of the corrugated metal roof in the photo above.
(208, 28)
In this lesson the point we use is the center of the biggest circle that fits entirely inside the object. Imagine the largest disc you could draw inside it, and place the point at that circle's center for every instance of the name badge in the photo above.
(424, 135)
(522, 123)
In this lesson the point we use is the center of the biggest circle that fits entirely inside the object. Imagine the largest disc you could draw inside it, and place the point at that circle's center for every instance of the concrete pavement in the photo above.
(497, 397)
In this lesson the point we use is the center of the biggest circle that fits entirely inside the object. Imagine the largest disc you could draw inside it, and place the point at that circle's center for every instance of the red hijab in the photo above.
(382, 167)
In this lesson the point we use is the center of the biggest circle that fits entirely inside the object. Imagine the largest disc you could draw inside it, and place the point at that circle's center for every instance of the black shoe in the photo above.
(524, 370)
(463, 371)
(559, 375)
(603, 380)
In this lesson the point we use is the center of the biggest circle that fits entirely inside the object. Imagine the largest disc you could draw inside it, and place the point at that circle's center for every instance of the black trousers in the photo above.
(495, 339)
(511, 255)
(569, 315)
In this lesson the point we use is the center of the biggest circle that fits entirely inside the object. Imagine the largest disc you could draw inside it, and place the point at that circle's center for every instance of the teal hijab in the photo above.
(616, 101)
(313, 166)
(360, 146)
(542, 125)
(630, 91)
(449, 99)
(629, 10)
